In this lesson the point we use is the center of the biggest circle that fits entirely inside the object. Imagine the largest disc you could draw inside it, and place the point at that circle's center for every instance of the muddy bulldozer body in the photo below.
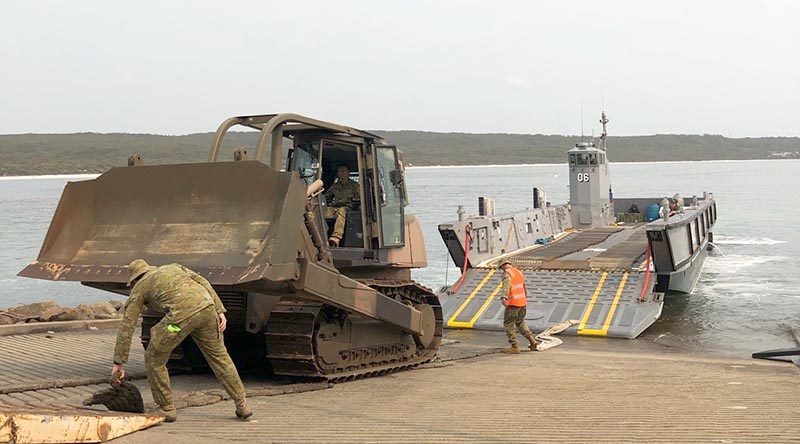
(257, 231)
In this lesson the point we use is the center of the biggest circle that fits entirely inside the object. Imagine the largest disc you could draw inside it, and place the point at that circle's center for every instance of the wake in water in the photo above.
(734, 263)
(733, 240)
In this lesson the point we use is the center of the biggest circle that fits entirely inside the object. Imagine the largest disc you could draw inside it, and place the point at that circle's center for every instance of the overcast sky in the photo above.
(719, 67)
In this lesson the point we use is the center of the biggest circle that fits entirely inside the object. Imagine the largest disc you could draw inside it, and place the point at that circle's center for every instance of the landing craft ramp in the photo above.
(597, 276)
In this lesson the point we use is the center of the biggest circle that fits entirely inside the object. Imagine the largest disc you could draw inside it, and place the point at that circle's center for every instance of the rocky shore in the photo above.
(49, 311)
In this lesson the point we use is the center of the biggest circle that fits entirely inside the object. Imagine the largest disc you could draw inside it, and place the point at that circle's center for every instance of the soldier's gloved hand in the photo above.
(223, 322)
(117, 374)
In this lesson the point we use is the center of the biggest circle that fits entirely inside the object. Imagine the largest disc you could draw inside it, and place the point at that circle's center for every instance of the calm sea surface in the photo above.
(747, 298)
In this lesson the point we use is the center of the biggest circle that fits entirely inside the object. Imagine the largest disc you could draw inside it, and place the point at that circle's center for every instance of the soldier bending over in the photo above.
(193, 308)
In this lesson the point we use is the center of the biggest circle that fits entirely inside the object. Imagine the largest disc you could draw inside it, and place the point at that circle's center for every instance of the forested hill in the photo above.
(31, 154)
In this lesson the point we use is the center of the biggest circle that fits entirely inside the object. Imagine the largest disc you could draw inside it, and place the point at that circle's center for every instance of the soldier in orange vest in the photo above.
(515, 300)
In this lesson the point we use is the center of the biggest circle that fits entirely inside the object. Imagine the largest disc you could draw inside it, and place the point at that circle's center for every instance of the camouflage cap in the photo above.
(136, 268)
(503, 262)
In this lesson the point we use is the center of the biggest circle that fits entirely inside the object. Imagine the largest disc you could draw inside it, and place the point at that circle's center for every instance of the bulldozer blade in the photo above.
(233, 222)
(61, 424)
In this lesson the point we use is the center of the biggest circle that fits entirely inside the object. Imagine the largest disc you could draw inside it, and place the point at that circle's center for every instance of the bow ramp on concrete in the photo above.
(598, 277)
(64, 423)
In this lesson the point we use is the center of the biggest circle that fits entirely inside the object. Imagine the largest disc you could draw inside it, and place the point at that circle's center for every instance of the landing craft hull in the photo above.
(685, 280)
(679, 245)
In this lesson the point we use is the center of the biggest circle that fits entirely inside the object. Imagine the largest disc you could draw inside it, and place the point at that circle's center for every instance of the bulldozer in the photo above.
(257, 232)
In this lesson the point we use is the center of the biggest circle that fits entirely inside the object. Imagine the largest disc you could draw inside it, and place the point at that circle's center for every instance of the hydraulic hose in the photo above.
(642, 297)
(467, 237)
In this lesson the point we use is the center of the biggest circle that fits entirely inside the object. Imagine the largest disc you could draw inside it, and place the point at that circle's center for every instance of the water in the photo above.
(747, 298)
(26, 207)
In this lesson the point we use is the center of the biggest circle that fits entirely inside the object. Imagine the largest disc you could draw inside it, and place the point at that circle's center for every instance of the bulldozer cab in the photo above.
(374, 219)
(377, 231)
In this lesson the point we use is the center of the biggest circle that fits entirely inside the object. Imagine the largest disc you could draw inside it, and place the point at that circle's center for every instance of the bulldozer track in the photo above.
(294, 331)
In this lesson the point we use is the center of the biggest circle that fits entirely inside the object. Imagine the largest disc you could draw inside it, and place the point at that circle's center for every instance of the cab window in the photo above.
(305, 161)
(391, 201)
(335, 155)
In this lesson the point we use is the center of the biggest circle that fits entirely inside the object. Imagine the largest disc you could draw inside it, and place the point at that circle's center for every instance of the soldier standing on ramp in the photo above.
(515, 301)
(193, 308)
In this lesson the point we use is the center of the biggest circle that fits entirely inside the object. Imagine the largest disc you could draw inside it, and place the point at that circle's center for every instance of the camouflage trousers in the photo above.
(204, 329)
(514, 317)
(340, 213)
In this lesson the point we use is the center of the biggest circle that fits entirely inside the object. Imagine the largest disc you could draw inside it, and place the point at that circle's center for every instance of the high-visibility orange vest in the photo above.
(516, 294)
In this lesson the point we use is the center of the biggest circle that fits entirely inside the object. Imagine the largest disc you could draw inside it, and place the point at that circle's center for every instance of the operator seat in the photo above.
(352, 226)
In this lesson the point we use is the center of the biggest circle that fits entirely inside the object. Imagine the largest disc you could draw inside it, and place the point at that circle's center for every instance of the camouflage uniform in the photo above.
(343, 195)
(515, 317)
(193, 308)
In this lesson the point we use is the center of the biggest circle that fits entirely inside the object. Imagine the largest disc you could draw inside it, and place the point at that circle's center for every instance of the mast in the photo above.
(603, 120)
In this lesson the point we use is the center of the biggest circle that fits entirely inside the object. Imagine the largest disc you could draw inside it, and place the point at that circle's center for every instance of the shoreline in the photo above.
(423, 167)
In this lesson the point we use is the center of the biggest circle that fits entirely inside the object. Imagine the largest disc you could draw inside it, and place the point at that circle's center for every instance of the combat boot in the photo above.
(534, 345)
(243, 410)
(513, 350)
(169, 413)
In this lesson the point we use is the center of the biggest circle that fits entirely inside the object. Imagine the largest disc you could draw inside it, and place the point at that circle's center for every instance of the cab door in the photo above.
(390, 196)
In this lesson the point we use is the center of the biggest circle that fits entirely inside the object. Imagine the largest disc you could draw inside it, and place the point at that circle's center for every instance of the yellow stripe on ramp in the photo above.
(604, 331)
(590, 307)
(485, 305)
(452, 322)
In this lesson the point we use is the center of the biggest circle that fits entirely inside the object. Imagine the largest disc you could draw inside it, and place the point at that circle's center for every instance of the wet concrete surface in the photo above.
(44, 359)
(65, 364)
(587, 389)
(565, 394)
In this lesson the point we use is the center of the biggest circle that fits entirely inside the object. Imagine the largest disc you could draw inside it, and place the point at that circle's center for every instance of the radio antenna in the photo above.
(582, 121)
(602, 95)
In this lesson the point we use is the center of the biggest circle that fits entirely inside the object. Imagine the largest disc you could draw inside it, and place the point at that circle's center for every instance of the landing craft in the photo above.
(600, 260)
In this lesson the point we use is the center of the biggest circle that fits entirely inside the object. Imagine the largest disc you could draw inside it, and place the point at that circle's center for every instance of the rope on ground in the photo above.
(61, 383)
(545, 338)
(213, 396)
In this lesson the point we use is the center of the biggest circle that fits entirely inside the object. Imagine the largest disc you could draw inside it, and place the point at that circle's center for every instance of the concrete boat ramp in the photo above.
(582, 391)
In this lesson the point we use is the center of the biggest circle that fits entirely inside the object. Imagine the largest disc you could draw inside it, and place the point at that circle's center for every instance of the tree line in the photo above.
(33, 154)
